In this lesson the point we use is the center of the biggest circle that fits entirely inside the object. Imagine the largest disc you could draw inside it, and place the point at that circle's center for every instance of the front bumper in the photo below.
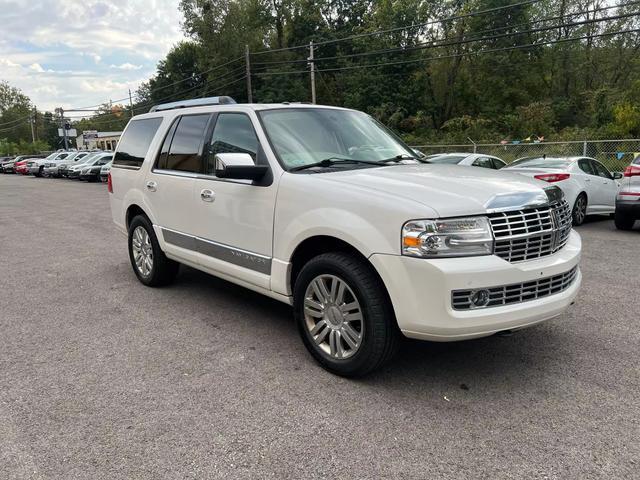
(421, 292)
(34, 169)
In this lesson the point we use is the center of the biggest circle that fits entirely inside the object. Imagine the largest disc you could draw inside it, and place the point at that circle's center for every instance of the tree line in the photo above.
(486, 70)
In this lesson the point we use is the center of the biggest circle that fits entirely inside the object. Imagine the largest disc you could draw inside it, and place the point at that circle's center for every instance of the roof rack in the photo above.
(196, 102)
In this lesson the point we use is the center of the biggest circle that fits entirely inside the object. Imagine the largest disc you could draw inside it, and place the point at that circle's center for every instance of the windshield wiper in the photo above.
(329, 162)
(403, 156)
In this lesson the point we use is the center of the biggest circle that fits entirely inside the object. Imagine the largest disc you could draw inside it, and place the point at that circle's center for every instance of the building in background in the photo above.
(92, 139)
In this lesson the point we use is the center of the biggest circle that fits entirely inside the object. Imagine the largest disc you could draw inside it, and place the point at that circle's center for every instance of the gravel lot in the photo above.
(103, 378)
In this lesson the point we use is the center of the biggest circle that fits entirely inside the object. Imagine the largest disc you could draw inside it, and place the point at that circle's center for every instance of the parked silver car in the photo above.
(91, 170)
(628, 198)
(36, 167)
(51, 167)
(68, 162)
(75, 170)
(104, 171)
(469, 159)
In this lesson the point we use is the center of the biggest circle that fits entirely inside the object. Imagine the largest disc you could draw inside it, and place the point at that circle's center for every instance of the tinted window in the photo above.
(233, 133)
(135, 141)
(636, 161)
(601, 170)
(586, 166)
(498, 164)
(483, 162)
(166, 145)
(185, 154)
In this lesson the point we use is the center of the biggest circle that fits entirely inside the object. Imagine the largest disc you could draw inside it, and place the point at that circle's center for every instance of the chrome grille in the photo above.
(516, 292)
(532, 232)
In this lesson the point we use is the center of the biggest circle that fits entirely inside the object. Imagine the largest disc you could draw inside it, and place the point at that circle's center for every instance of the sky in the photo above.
(75, 54)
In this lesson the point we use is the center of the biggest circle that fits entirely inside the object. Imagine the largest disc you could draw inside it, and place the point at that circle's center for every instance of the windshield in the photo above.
(302, 136)
(452, 159)
(540, 163)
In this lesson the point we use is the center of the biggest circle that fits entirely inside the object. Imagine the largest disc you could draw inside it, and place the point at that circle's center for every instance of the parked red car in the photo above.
(21, 167)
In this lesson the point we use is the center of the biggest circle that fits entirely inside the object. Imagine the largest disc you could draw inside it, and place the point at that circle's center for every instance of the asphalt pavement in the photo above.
(103, 378)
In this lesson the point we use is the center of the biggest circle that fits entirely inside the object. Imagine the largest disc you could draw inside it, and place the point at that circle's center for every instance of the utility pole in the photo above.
(313, 73)
(32, 120)
(64, 127)
(248, 64)
(130, 103)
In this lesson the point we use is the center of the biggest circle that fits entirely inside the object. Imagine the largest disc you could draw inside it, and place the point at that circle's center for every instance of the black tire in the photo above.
(163, 270)
(380, 333)
(623, 222)
(579, 212)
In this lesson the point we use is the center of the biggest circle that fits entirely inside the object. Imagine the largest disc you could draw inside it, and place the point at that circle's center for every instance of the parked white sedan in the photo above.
(589, 187)
(468, 159)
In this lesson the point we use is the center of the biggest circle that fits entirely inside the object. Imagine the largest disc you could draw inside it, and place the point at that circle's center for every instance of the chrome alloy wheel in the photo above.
(333, 316)
(142, 251)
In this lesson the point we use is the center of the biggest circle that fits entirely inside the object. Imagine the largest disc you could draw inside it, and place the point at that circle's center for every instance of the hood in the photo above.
(450, 190)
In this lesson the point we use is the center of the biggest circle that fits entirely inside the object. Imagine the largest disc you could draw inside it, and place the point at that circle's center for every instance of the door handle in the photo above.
(207, 195)
(587, 179)
(152, 186)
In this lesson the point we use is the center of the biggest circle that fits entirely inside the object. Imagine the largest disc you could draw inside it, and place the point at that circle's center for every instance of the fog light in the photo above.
(479, 298)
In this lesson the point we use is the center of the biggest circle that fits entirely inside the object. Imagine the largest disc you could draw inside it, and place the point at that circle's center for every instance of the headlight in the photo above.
(454, 237)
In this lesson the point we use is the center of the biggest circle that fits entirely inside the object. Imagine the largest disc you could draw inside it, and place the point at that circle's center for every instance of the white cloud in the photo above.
(9, 63)
(126, 66)
(66, 54)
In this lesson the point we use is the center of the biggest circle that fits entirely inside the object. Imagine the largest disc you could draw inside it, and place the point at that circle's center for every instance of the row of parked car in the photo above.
(91, 165)
(589, 187)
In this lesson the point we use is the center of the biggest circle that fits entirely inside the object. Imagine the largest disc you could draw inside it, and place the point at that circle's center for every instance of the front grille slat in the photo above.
(517, 292)
(532, 232)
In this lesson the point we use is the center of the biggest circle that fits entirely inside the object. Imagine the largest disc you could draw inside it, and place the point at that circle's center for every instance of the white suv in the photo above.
(325, 209)
(628, 198)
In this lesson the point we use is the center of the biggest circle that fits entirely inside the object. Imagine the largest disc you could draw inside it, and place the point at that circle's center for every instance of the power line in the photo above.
(407, 27)
(430, 45)
(17, 120)
(217, 67)
(419, 60)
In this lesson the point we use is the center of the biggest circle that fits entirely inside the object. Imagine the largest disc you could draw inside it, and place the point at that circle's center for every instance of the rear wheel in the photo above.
(344, 315)
(579, 212)
(150, 264)
(623, 222)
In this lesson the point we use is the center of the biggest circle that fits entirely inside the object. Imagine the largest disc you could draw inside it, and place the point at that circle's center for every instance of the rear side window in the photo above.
(586, 166)
(135, 142)
(483, 162)
(636, 161)
(498, 164)
(185, 152)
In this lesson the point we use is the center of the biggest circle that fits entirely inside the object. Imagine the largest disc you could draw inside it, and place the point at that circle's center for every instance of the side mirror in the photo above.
(238, 166)
(617, 175)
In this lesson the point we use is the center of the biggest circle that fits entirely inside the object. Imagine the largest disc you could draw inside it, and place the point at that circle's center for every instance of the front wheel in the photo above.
(150, 264)
(344, 315)
(579, 212)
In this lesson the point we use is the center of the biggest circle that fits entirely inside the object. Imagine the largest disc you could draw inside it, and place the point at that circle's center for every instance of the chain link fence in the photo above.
(615, 154)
